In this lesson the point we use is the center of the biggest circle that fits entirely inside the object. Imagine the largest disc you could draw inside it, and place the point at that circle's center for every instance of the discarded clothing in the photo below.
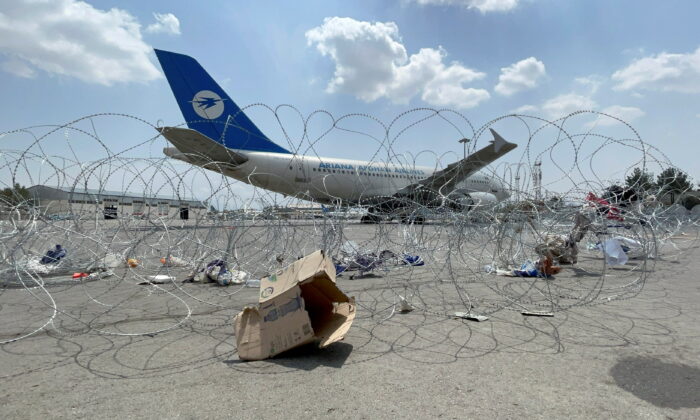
(53, 255)
(546, 267)
(217, 272)
(339, 268)
(231, 277)
(414, 260)
(605, 208)
(527, 269)
(560, 248)
(352, 259)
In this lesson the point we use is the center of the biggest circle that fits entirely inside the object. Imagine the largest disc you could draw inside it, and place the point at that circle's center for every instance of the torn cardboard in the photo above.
(297, 305)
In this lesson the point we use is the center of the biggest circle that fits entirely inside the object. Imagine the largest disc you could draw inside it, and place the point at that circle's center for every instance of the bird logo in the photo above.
(208, 104)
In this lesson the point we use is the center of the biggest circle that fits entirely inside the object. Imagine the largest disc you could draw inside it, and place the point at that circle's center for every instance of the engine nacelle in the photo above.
(476, 200)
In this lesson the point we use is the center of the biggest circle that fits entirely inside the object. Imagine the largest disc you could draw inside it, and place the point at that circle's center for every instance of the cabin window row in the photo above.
(342, 171)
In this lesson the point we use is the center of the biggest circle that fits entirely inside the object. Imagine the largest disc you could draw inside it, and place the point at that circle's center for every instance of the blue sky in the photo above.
(640, 60)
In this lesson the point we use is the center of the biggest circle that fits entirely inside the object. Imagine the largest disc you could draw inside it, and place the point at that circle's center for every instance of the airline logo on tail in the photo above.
(208, 104)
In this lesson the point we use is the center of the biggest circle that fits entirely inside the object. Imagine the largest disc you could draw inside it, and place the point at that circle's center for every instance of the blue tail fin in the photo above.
(208, 109)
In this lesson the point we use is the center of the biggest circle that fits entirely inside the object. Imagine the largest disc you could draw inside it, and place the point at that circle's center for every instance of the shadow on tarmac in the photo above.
(663, 384)
(308, 357)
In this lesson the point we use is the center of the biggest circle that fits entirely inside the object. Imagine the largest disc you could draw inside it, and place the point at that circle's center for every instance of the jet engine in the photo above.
(475, 200)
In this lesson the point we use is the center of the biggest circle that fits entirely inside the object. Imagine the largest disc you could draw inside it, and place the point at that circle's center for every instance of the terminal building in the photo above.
(72, 203)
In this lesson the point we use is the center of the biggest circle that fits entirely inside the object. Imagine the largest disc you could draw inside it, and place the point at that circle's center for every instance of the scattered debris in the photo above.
(216, 271)
(505, 273)
(527, 269)
(298, 305)
(252, 283)
(53, 255)
(535, 223)
(471, 316)
(604, 207)
(158, 279)
(614, 254)
(563, 249)
(631, 247)
(352, 259)
(231, 277)
(404, 306)
(173, 261)
(536, 313)
(560, 248)
(546, 267)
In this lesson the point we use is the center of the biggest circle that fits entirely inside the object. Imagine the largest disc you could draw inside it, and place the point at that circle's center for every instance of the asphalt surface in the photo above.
(638, 357)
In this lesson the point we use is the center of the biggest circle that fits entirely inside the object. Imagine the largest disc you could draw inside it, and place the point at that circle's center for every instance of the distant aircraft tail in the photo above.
(208, 109)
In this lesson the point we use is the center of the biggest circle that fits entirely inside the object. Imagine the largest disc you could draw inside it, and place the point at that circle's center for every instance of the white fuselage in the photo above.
(330, 180)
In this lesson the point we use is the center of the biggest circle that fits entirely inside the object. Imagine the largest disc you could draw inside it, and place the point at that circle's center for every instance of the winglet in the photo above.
(498, 141)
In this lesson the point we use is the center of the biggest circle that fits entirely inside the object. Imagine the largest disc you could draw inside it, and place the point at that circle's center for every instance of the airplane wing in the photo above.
(445, 180)
(194, 147)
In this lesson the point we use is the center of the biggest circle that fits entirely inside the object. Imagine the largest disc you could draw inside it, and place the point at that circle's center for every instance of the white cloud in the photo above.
(559, 106)
(625, 113)
(18, 68)
(590, 83)
(525, 109)
(73, 38)
(166, 23)
(662, 72)
(563, 105)
(371, 63)
(483, 6)
(523, 75)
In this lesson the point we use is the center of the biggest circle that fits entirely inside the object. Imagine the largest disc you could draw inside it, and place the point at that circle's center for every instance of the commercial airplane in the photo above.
(220, 137)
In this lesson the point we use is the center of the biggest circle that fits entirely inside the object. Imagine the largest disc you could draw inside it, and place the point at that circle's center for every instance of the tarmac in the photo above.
(634, 358)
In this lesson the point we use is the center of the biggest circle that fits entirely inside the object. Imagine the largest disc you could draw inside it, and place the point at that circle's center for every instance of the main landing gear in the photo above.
(408, 219)
(371, 217)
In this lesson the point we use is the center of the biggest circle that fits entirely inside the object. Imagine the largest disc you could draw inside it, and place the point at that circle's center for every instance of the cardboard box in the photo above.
(297, 305)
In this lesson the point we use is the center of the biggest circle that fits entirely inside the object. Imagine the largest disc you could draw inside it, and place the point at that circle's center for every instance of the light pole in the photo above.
(464, 141)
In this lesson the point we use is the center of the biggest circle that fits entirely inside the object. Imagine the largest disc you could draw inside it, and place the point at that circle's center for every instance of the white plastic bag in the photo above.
(614, 254)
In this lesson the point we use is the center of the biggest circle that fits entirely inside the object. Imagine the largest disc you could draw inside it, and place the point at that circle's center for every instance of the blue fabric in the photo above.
(527, 269)
(414, 260)
(53, 255)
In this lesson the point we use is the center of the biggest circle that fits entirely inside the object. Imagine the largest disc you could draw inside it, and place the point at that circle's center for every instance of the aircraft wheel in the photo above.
(370, 219)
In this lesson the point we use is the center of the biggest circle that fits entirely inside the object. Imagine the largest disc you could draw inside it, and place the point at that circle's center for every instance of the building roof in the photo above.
(121, 194)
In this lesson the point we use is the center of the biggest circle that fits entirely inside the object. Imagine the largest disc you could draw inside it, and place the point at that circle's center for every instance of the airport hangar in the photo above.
(70, 203)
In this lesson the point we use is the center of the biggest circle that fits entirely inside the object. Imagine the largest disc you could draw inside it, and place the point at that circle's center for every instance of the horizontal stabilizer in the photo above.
(195, 146)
